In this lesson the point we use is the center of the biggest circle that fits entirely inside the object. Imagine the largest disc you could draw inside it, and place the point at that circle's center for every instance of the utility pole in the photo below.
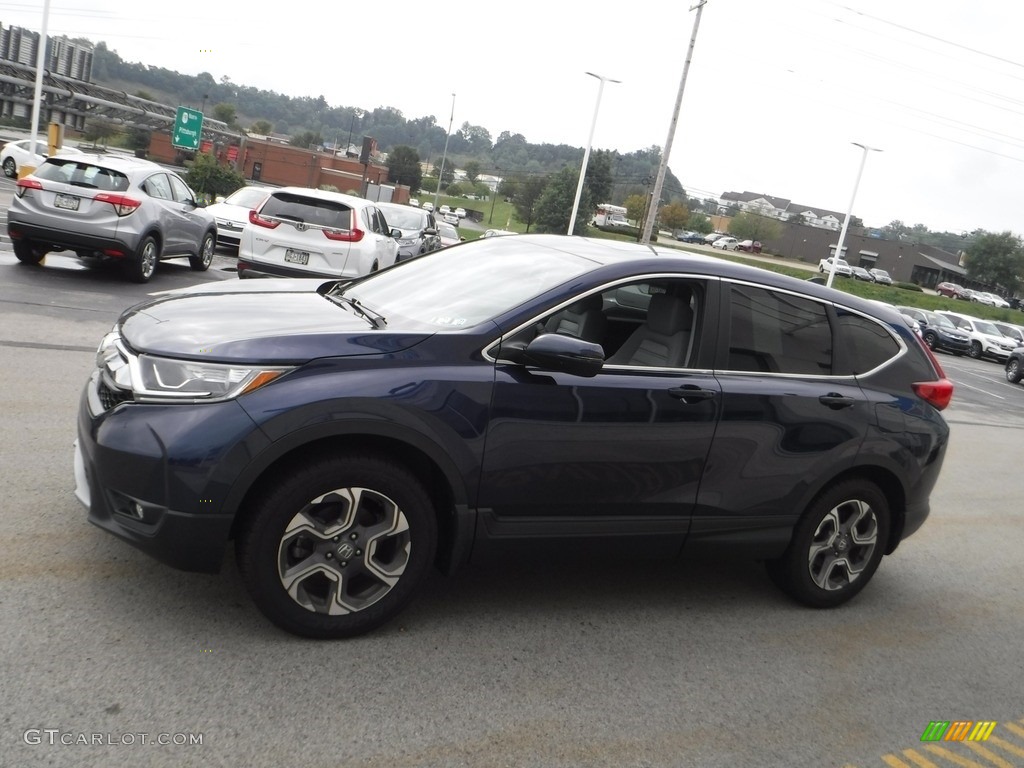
(444, 156)
(652, 214)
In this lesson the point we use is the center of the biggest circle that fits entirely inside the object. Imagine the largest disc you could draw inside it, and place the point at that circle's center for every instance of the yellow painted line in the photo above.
(894, 762)
(1002, 744)
(988, 754)
(919, 760)
(1015, 728)
(952, 757)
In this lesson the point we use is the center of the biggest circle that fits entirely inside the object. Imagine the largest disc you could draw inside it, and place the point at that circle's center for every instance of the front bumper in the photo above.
(156, 476)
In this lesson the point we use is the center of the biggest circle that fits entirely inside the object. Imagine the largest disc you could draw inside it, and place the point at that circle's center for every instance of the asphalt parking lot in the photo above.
(522, 663)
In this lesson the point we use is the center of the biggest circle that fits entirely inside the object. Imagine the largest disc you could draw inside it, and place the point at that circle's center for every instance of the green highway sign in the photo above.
(188, 128)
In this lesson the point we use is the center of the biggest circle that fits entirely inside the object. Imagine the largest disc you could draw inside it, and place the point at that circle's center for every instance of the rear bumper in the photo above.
(248, 268)
(57, 239)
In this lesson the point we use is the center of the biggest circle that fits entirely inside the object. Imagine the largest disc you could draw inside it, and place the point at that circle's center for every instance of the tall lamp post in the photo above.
(444, 155)
(586, 153)
(846, 222)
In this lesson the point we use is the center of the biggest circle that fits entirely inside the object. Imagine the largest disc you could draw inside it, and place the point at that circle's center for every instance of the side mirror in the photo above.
(396, 232)
(429, 231)
(555, 352)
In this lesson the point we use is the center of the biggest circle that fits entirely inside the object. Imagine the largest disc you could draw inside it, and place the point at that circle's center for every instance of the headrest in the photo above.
(669, 314)
(586, 304)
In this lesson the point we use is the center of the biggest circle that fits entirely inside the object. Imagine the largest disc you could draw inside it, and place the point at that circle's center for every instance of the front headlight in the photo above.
(162, 379)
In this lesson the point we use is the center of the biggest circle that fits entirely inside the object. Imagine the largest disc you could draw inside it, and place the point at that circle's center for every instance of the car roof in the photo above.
(125, 163)
(323, 194)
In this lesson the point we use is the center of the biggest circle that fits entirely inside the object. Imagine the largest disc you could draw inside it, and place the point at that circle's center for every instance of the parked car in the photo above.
(448, 234)
(985, 339)
(444, 209)
(511, 391)
(712, 236)
(938, 331)
(16, 154)
(726, 243)
(110, 207)
(1010, 331)
(990, 299)
(460, 212)
(302, 232)
(964, 294)
(843, 269)
(419, 230)
(690, 237)
(1015, 366)
(428, 206)
(451, 218)
(498, 233)
(414, 202)
(859, 273)
(232, 213)
(750, 246)
(881, 276)
(950, 290)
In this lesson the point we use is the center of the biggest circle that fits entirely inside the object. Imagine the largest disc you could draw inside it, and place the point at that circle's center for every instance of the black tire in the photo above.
(374, 267)
(1013, 370)
(975, 350)
(142, 266)
(10, 168)
(202, 260)
(392, 514)
(932, 340)
(26, 252)
(825, 565)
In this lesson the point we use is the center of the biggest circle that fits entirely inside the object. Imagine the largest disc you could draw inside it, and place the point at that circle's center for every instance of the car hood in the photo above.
(240, 323)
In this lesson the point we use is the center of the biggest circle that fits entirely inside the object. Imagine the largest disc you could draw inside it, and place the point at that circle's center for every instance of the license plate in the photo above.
(68, 202)
(296, 257)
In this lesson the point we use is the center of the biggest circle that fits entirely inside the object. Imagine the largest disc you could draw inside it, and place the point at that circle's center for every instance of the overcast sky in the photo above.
(776, 93)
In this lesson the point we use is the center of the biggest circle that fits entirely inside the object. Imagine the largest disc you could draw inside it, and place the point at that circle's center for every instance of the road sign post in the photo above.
(188, 129)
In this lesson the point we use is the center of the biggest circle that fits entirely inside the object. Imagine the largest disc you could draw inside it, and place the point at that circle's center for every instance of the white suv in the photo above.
(302, 232)
(843, 268)
(985, 338)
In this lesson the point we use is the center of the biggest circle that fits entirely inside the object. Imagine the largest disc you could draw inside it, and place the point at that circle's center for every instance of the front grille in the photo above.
(110, 397)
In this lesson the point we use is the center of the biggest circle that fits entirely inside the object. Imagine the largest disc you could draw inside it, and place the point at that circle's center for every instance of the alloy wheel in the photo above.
(842, 545)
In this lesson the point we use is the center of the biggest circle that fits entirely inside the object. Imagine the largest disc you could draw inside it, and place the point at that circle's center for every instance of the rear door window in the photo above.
(158, 186)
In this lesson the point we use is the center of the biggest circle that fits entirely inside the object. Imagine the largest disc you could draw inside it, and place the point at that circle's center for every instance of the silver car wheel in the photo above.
(344, 551)
(842, 545)
(147, 259)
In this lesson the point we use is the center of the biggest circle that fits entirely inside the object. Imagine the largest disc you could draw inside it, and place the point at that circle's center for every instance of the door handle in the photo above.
(836, 401)
(690, 393)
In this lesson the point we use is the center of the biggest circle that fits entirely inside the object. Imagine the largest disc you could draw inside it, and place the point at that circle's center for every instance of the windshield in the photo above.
(940, 321)
(461, 287)
(987, 328)
(246, 197)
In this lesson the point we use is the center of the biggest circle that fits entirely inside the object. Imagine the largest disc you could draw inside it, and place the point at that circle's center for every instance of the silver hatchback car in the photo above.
(110, 207)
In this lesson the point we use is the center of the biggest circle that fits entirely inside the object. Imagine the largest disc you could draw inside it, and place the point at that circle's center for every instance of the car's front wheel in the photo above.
(975, 350)
(931, 340)
(202, 261)
(1013, 370)
(836, 546)
(336, 547)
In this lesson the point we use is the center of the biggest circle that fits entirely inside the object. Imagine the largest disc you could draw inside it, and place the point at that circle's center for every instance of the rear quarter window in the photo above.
(862, 344)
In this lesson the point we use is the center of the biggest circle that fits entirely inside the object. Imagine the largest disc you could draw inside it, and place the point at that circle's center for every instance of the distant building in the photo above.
(782, 209)
(65, 57)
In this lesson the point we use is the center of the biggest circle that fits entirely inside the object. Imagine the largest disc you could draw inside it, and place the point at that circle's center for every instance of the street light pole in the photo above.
(846, 222)
(37, 98)
(494, 198)
(444, 155)
(652, 214)
(586, 153)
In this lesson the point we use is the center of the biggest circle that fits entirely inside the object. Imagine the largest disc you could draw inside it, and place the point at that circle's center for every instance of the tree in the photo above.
(525, 193)
(599, 176)
(137, 138)
(699, 222)
(449, 172)
(997, 260)
(635, 205)
(262, 127)
(306, 139)
(554, 207)
(751, 226)
(404, 167)
(455, 190)
(895, 230)
(208, 177)
(100, 131)
(226, 113)
(673, 216)
(472, 169)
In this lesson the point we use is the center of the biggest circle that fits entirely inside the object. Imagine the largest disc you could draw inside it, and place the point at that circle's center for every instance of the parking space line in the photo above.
(988, 754)
(919, 760)
(1013, 749)
(952, 757)
(894, 762)
(979, 389)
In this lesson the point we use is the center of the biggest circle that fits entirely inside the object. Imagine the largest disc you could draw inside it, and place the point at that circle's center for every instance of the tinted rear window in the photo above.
(82, 174)
(308, 210)
(863, 344)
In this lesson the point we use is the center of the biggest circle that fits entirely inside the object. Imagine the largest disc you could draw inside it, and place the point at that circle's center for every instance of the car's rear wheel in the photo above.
(202, 261)
(975, 350)
(10, 168)
(142, 267)
(1013, 371)
(28, 253)
(836, 546)
(337, 547)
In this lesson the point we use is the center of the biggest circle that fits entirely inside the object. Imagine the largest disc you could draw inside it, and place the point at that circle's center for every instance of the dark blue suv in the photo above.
(349, 435)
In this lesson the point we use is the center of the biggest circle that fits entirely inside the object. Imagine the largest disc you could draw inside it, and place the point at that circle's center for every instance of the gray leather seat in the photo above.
(664, 340)
(582, 320)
